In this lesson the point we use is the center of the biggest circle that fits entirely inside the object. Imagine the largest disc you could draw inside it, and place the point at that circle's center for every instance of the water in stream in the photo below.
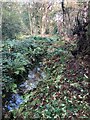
(34, 76)
(14, 102)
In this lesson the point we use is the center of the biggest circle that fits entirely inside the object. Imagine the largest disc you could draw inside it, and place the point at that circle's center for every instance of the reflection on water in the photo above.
(34, 76)
(14, 102)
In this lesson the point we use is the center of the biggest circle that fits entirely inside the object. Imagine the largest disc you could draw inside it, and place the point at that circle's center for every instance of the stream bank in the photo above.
(34, 76)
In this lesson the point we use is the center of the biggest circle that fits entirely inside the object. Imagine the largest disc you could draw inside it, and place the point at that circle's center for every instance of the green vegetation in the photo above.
(35, 43)
(20, 56)
(62, 94)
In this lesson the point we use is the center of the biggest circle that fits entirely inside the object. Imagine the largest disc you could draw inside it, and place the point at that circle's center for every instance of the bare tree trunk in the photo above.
(43, 25)
(44, 20)
(30, 21)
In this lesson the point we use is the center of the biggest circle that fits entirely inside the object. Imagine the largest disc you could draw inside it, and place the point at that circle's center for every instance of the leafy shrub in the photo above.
(20, 56)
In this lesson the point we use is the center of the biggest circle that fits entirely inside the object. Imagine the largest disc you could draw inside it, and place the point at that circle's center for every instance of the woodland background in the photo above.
(46, 60)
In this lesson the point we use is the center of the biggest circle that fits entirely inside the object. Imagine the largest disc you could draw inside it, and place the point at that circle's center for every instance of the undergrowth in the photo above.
(64, 92)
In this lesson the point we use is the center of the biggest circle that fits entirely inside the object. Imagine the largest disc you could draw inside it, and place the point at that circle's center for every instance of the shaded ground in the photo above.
(63, 94)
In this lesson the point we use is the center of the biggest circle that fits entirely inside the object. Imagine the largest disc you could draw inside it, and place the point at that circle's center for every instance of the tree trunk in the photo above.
(30, 21)
(88, 31)
(44, 20)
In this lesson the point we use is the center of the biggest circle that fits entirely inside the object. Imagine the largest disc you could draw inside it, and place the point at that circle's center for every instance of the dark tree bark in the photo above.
(82, 52)
(83, 35)
(88, 32)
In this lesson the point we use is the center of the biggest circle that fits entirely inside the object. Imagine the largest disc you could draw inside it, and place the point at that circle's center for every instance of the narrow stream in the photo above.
(34, 76)
(14, 102)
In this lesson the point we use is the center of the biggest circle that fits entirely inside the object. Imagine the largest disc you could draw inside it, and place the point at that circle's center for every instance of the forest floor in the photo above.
(64, 94)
